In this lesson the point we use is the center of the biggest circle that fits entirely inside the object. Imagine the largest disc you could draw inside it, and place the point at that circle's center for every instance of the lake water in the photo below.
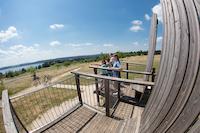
(17, 68)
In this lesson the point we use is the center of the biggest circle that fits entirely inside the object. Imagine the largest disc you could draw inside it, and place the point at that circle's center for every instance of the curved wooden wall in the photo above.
(175, 101)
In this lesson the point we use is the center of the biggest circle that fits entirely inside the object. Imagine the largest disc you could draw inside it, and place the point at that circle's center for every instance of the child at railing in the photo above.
(104, 64)
(109, 64)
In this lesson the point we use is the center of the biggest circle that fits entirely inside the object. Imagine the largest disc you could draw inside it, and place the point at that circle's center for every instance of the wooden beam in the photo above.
(134, 63)
(152, 45)
(144, 83)
(120, 70)
(9, 123)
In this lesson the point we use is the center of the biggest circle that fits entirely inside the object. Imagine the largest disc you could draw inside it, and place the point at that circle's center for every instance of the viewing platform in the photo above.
(166, 100)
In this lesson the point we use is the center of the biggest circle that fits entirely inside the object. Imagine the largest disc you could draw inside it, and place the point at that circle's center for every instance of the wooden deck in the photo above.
(74, 122)
(125, 119)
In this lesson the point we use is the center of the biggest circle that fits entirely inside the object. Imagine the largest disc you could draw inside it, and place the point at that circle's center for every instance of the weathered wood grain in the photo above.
(174, 103)
(145, 83)
(7, 115)
(152, 45)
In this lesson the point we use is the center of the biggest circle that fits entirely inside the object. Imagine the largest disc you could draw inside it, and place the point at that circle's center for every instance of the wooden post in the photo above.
(77, 78)
(97, 87)
(9, 122)
(153, 75)
(127, 69)
(107, 97)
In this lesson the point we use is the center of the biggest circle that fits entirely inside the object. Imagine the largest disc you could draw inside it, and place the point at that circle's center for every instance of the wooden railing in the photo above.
(152, 73)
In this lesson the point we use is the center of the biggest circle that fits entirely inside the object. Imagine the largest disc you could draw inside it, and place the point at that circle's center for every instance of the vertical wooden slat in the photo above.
(175, 103)
(189, 95)
(195, 128)
(161, 73)
(152, 45)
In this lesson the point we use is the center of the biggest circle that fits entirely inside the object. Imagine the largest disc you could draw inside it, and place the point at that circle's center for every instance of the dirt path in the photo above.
(35, 88)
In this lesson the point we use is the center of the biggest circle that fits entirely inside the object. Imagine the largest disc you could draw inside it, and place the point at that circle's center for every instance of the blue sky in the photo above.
(32, 30)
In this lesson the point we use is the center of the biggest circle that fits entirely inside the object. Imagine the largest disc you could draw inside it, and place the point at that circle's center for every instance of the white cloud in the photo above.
(135, 43)
(10, 33)
(3, 52)
(147, 17)
(80, 44)
(74, 44)
(157, 9)
(20, 50)
(55, 43)
(20, 53)
(137, 22)
(89, 44)
(108, 45)
(159, 39)
(56, 26)
(137, 26)
(36, 45)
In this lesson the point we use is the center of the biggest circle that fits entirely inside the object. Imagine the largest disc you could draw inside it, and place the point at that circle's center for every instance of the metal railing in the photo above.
(104, 92)
(40, 108)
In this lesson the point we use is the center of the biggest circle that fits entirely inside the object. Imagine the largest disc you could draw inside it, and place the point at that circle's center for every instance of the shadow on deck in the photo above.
(125, 119)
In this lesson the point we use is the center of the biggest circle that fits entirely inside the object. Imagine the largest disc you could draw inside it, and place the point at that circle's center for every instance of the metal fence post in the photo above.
(77, 78)
(153, 75)
(119, 90)
(127, 69)
(97, 87)
(107, 97)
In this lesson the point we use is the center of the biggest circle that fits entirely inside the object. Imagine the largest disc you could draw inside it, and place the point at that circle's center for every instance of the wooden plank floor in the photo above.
(74, 122)
(125, 119)
(102, 124)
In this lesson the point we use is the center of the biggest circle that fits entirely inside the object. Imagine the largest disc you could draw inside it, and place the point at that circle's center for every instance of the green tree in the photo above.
(31, 69)
(1, 87)
(57, 65)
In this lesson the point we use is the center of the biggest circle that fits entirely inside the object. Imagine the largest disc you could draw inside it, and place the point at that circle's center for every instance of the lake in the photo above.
(17, 68)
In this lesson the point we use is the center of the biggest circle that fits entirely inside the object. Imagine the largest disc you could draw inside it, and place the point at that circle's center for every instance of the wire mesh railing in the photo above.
(103, 92)
(41, 107)
(93, 93)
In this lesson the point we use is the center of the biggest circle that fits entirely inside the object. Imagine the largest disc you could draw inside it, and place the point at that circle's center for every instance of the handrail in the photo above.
(136, 63)
(7, 114)
(37, 89)
(144, 83)
(121, 70)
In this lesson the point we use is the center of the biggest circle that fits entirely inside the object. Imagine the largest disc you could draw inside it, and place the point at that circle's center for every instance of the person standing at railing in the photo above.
(116, 67)
(112, 59)
(116, 73)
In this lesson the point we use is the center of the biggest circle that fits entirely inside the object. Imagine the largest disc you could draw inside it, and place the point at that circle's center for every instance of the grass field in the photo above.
(24, 81)
(30, 107)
